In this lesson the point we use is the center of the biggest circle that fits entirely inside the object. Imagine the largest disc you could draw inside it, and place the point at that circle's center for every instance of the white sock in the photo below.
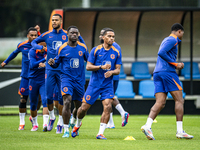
(149, 122)
(179, 125)
(51, 114)
(22, 118)
(45, 119)
(78, 123)
(66, 127)
(102, 128)
(120, 109)
(73, 120)
(60, 120)
(35, 121)
(111, 122)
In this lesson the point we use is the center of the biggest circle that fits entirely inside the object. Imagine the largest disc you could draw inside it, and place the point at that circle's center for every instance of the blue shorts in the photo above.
(92, 93)
(35, 88)
(74, 89)
(115, 85)
(24, 87)
(55, 96)
(52, 80)
(166, 81)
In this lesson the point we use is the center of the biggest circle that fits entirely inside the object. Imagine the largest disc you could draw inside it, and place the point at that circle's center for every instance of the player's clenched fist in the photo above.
(51, 61)
(106, 66)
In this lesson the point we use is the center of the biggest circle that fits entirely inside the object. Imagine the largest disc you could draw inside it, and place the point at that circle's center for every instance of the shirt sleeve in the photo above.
(12, 55)
(81, 40)
(119, 59)
(34, 63)
(91, 57)
(165, 48)
(35, 42)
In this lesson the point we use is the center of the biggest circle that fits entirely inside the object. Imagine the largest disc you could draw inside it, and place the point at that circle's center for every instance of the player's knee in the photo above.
(108, 107)
(23, 101)
(49, 101)
(33, 107)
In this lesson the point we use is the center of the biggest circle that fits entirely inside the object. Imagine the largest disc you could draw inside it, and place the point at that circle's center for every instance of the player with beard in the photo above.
(115, 103)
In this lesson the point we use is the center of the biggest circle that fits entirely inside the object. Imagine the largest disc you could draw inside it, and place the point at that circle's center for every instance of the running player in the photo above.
(24, 48)
(37, 85)
(104, 61)
(166, 80)
(71, 56)
(53, 38)
(115, 103)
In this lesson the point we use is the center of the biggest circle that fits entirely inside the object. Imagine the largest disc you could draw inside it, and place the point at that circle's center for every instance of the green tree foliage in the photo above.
(18, 15)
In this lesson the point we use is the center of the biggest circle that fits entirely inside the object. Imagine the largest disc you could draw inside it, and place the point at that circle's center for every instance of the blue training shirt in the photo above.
(167, 54)
(116, 77)
(99, 56)
(72, 61)
(23, 47)
(53, 41)
(35, 58)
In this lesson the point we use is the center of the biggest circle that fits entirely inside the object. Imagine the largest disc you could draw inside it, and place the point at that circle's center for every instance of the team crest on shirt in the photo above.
(112, 56)
(80, 53)
(74, 62)
(56, 44)
(64, 37)
(22, 90)
(88, 97)
(65, 89)
(30, 87)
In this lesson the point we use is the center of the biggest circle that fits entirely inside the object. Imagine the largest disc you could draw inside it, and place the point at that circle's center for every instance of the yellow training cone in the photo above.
(155, 121)
(129, 138)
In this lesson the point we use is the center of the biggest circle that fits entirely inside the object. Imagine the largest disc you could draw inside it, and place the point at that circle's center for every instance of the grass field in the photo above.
(164, 133)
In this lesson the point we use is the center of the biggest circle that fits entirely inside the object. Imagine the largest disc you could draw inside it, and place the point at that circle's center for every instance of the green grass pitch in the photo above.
(164, 132)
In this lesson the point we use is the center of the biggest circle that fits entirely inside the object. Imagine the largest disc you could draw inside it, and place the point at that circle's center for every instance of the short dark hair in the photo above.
(58, 15)
(71, 27)
(106, 30)
(176, 27)
(31, 29)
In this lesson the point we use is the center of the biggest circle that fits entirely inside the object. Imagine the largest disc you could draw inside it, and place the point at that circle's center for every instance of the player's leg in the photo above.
(80, 115)
(50, 83)
(107, 107)
(44, 104)
(160, 94)
(66, 113)
(179, 110)
(77, 96)
(23, 92)
(90, 96)
(33, 93)
(60, 104)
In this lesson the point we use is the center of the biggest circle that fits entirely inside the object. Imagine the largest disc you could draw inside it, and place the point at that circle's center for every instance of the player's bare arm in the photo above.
(3, 64)
(91, 67)
(113, 72)
(42, 65)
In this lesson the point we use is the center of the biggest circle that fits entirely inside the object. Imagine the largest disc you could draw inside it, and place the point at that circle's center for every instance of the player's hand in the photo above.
(44, 48)
(3, 64)
(51, 62)
(37, 28)
(106, 67)
(180, 66)
(46, 57)
(108, 74)
(42, 65)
